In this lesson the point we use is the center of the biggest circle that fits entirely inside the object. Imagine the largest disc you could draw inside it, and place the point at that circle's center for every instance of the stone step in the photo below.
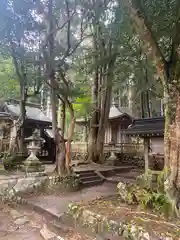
(84, 172)
(116, 180)
(126, 180)
(127, 175)
(92, 183)
(88, 178)
(87, 174)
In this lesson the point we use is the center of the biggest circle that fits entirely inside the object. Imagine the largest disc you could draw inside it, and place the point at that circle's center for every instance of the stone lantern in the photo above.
(32, 163)
(112, 158)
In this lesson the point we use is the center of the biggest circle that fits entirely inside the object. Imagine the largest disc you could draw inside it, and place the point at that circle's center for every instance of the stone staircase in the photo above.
(89, 178)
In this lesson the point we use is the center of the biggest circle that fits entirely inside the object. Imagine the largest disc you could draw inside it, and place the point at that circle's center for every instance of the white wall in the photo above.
(157, 145)
(108, 134)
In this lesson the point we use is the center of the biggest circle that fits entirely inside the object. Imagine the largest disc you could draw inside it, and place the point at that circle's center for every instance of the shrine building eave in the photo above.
(147, 127)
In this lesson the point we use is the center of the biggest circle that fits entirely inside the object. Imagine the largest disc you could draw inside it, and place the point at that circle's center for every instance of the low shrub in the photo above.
(147, 194)
(11, 161)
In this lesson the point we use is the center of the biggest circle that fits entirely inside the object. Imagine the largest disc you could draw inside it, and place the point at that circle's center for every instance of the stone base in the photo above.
(110, 161)
(33, 165)
(36, 174)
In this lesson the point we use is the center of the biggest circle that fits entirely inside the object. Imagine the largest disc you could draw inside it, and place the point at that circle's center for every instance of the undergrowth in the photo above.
(149, 195)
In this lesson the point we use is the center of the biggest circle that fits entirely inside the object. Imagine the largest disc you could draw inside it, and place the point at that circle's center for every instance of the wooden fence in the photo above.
(136, 148)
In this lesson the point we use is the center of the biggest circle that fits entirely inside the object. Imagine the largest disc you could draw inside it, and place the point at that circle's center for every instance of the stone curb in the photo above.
(47, 234)
(42, 210)
(11, 189)
(101, 224)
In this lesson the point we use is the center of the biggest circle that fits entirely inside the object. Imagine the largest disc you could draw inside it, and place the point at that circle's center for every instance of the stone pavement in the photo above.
(58, 205)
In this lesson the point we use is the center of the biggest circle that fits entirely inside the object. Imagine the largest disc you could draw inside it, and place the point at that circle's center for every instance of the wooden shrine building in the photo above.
(35, 119)
(151, 130)
(118, 122)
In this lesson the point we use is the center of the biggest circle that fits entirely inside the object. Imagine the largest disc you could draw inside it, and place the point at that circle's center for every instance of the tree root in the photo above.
(173, 196)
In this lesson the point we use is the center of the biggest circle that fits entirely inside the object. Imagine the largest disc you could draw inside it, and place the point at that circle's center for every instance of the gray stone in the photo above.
(21, 221)
(111, 160)
(122, 190)
(3, 186)
(46, 234)
(89, 217)
(15, 214)
(23, 184)
(144, 236)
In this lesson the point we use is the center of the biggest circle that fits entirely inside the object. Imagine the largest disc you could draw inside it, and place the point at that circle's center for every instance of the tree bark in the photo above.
(63, 118)
(142, 105)
(69, 139)
(152, 50)
(22, 117)
(60, 153)
(104, 114)
(50, 62)
(148, 102)
(94, 119)
(167, 72)
(103, 122)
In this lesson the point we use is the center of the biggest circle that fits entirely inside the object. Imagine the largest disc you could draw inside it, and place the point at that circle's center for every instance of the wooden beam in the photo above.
(146, 154)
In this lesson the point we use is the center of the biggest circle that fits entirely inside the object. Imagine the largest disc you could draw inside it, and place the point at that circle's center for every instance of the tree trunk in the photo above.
(53, 107)
(60, 153)
(69, 139)
(172, 183)
(94, 120)
(104, 113)
(50, 62)
(142, 105)
(22, 118)
(167, 71)
(148, 102)
(63, 118)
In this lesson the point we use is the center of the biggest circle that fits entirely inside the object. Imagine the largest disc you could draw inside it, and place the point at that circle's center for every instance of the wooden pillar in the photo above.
(146, 154)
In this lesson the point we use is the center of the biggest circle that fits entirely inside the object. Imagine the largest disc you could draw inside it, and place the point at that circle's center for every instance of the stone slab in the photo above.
(58, 205)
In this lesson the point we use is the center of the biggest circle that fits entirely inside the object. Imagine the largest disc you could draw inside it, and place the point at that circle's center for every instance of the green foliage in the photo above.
(162, 178)
(145, 181)
(149, 196)
(8, 80)
(11, 161)
(82, 106)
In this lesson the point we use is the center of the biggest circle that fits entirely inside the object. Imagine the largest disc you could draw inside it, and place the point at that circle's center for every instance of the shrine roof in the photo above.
(147, 127)
(4, 115)
(117, 112)
(114, 113)
(33, 111)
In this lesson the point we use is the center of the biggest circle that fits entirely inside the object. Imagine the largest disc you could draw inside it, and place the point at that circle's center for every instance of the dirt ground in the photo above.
(18, 223)
(152, 222)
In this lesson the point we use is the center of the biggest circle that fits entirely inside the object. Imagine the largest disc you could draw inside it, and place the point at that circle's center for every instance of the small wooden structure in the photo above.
(119, 120)
(151, 130)
(35, 119)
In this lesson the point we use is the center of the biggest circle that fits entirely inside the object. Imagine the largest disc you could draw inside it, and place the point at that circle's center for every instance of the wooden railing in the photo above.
(81, 147)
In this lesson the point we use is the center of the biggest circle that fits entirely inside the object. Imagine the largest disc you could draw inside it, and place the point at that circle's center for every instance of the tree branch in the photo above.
(143, 28)
(175, 38)
(13, 53)
(70, 50)
(58, 28)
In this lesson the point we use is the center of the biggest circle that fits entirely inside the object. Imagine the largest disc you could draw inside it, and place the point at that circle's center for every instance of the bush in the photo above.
(11, 162)
(147, 195)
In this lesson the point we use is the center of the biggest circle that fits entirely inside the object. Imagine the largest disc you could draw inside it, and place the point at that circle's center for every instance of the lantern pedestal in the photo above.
(110, 161)
(32, 163)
